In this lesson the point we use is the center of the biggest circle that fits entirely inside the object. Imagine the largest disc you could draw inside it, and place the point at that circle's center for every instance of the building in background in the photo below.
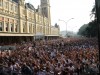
(20, 20)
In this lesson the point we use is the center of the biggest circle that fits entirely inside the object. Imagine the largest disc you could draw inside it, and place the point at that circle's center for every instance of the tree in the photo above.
(90, 29)
(93, 12)
(82, 30)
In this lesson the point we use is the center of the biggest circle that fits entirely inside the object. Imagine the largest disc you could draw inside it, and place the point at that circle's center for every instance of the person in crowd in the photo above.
(71, 56)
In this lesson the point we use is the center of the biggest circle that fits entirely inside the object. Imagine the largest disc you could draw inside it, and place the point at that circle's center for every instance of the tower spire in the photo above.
(45, 11)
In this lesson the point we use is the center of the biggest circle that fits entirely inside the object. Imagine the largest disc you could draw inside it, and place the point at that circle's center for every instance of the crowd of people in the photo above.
(69, 56)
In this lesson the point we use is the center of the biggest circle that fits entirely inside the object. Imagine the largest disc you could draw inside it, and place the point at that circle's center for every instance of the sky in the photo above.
(64, 10)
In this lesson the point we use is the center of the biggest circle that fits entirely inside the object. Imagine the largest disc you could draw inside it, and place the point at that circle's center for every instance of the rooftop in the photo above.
(28, 5)
(15, 1)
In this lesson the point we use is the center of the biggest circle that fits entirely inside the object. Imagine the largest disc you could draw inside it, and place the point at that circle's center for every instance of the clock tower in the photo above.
(45, 11)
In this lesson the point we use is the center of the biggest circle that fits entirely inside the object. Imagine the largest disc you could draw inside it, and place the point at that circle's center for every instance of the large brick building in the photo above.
(21, 20)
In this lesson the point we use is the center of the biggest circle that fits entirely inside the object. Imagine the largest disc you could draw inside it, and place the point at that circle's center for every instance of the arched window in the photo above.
(1, 26)
(24, 27)
(30, 28)
(16, 26)
(11, 27)
(7, 26)
(0, 2)
(33, 28)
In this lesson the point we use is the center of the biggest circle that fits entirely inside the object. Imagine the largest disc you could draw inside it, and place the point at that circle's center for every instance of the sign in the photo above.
(7, 48)
(39, 35)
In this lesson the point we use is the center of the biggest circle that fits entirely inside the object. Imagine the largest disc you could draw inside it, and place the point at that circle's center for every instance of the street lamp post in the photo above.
(66, 22)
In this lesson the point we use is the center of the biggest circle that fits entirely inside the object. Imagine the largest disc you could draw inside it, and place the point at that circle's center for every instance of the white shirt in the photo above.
(71, 68)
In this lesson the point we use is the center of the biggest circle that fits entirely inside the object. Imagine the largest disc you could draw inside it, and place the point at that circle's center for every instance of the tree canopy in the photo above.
(90, 29)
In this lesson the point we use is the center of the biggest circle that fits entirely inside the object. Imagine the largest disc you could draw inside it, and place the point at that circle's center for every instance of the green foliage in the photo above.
(82, 30)
(90, 29)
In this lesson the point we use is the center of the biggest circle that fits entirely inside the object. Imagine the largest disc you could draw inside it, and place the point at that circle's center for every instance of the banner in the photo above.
(7, 48)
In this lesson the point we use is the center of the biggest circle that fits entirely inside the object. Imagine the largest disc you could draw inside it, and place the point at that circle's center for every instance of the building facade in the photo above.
(18, 18)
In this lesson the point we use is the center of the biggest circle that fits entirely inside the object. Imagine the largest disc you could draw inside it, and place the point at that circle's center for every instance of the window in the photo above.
(41, 28)
(36, 18)
(11, 27)
(6, 5)
(33, 28)
(23, 12)
(24, 27)
(0, 2)
(7, 26)
(33, 16)
(16, 30)
(1, 26)
(11, 7)
(30, 28)
(16, 8)
(30, 14)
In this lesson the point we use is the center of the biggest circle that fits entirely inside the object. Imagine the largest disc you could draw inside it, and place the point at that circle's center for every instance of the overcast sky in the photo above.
(66, 9)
